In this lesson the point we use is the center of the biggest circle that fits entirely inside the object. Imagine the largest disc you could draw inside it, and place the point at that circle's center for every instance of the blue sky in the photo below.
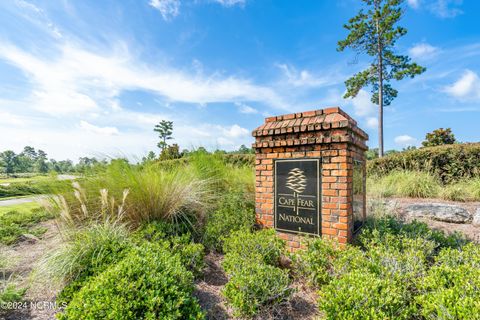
(93, 77)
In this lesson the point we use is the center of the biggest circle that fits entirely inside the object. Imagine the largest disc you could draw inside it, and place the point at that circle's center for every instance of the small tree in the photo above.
(149, 157)
(439, 137)
(164, 129)
(41, 162)
(8, 160)
(375, 33)
(170, 152)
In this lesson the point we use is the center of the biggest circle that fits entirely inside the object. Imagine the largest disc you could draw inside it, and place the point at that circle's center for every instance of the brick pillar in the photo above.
(312, 197)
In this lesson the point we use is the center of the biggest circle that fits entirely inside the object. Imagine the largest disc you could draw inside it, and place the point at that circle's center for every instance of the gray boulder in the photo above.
(439, 211)
(476, 218)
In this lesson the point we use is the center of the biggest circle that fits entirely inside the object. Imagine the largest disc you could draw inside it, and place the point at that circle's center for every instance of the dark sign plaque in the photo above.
(297, 195)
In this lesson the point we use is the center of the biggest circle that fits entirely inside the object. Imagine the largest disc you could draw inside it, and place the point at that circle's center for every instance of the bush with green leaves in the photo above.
(235, 211)
(451, 289)
(363, 295)
(177, 239)
(396, 270)
(245, 246)
(376, 229)
(255, 282)
(315, 263)
(256, 286)
(449, 163)
(149, 283)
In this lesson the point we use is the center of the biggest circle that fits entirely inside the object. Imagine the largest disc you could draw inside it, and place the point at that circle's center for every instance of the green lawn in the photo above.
(20, 219)
(23, 179)
(19, 208)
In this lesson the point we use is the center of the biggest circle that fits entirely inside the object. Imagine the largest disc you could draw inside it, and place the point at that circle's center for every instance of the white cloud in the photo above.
(446, 8)
(405, 140)
(423, 50)
(235, 131)
(362, 104)
(168, 8)
(8, 118)
(414, 3)
(440, 8)
(38, 16)
(80, 81)
(108, 131)
(466, 88)
(302, 78)
(372, 122)
(244, 108)
(230, 3)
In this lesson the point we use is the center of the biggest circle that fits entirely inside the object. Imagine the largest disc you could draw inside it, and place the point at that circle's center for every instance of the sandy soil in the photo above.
(40, 294)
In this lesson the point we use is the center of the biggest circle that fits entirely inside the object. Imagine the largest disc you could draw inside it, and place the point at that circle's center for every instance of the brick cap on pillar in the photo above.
(327, 119)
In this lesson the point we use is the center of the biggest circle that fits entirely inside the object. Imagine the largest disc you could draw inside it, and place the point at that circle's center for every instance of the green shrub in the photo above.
(254, 280)
(363, 295)
(244, 246)
(389, 275)
(236, 211)
(448, 163)
(451, 290)
(315, 263)
(257, 286)
(378, 283)
(177, 239)
(10, 293)
(149, 283)
(375, 230)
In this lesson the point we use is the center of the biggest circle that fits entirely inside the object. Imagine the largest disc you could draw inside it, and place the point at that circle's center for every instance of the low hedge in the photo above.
(395, 271)
(255, 282)
(449, 163)
(235, 211)
(149, 283)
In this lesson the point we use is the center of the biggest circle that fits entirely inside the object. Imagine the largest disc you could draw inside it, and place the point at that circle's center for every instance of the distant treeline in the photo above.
(36, 161)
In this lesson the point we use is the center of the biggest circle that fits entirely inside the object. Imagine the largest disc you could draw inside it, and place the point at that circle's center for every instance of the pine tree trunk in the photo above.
(380, 108)
(380, 87)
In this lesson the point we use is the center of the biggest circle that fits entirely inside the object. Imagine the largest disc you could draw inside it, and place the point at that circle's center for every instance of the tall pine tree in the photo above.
(373, 31)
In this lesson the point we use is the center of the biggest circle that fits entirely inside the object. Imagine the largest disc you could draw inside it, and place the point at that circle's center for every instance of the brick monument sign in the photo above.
(310, 175)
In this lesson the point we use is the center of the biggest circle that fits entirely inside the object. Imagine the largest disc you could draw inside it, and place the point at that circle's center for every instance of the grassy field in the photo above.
(19, 208)
(17, 220)
(419, 184)
(5, 180)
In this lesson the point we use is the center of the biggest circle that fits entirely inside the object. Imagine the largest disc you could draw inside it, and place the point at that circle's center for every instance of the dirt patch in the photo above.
(208, 291)
(39, 298)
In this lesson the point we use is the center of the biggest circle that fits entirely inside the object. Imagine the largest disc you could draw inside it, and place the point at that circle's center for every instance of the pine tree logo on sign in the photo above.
(297, 182)
(297, 198)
